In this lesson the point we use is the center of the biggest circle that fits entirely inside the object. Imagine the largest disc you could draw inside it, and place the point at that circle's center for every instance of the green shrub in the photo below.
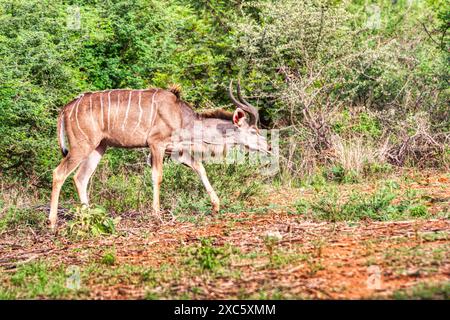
(207, 256)
(89, 222)
(361, 123)
(302, 206)
(380, 205)
(367, 125)
(109, 258)
(125, 44)
(337, 173)
(419, 210)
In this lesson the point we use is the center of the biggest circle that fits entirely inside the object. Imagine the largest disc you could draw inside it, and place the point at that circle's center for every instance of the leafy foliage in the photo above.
(208, 256)
(91, 222)
(127, 44)
(381, 205)
(335, 79)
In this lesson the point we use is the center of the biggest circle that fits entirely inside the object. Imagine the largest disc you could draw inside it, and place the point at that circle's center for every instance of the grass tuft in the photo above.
(424, 291)
(17, 218)
(384, 204)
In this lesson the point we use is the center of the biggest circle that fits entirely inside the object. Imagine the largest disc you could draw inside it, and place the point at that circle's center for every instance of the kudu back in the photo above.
(142, 118)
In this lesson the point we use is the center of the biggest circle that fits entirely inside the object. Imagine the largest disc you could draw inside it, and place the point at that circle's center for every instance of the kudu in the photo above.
(142, 118)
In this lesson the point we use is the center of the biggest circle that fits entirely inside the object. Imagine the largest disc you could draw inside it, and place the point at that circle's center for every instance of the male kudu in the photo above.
(143, 118)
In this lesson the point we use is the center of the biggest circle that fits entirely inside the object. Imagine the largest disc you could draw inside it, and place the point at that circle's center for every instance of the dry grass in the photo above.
(354, 154)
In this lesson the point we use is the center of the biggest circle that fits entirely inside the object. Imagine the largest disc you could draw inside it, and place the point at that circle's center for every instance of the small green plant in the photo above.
(374, 168)
(314, 265)
(380, 205)
(109, 258)
(151, 296)
(208, 256)
(302, 206)
(368, 125)
(91, 222)
(418, 210)
(338, 174)
(6, 294)
(149, 275)
(271, 240)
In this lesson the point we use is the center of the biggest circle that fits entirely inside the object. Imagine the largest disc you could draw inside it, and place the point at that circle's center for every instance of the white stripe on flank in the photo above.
(126, 113)
(140, 112)
(152, 113)
(76, 105)
(109, 106)
(117, 108)
(76, 117)
(101, 109)
(90, 109)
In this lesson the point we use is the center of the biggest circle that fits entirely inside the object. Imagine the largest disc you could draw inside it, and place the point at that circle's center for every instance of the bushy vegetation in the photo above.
(208, 256)
(91, 222)
(48, 58)
(350, 86)
(357, 86)
(383, 204)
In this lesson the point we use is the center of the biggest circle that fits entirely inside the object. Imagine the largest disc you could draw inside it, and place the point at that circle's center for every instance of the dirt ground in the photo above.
(310, 260)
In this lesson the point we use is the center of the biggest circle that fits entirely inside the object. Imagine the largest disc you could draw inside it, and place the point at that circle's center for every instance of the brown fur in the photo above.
(121, 118)
(129, 118)
(217, 114)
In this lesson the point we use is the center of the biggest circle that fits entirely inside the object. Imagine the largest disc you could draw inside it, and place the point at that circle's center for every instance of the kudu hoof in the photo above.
(215, 209)
(53, 229)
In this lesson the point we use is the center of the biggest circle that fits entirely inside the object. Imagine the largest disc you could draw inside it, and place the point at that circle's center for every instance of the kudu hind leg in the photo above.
(85, 171)
(60, 174)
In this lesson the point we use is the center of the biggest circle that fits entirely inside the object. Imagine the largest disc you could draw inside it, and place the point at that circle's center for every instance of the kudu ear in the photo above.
(238, 116)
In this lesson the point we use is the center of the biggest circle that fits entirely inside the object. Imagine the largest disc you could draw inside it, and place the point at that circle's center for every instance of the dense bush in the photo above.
(331, 72)
(47, 60)
(348, 89)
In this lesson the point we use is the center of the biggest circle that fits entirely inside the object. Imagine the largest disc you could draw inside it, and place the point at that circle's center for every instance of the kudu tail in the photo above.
(61, 133)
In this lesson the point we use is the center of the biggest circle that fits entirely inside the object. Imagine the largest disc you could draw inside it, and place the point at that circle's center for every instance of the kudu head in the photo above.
(246, 130)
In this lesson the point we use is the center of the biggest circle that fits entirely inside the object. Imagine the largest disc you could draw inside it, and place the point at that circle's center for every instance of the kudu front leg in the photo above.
(197, 166)
(157, 175)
